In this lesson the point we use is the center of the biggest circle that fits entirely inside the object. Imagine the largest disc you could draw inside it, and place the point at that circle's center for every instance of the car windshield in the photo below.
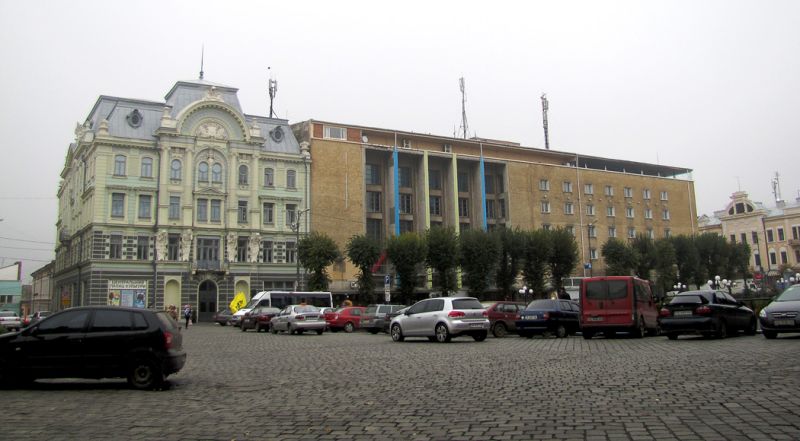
(305, 309)
(790, 295)
(467, 304)
(542, 304)
(688, 299)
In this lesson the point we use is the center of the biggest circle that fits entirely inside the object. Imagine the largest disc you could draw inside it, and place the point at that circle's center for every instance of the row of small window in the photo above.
(203, 214)
(205, 173)
(770, 235)
(207, 249)
(773, 257)
(493, 184)
(588, 189)
(569, 208)
(612, 231)
(406, 205)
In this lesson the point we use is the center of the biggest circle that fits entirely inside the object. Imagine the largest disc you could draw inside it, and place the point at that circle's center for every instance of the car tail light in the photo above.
(335, 317)
(664, 312)
(485, 313)
(516, 317)
(546, 316)
(702, 310)
(300, 317)
(167, 340)
(456, 314)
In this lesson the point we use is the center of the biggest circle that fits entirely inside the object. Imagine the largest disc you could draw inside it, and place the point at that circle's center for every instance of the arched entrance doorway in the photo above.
(207, 297)
(172, 295)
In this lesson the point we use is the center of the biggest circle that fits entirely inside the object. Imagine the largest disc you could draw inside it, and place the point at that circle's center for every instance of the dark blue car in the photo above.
(546, 317)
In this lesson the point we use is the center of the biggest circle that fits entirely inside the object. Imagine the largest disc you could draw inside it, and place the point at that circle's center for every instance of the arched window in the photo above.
(175, 170)
(269, 177)
(119, 165)
(202, 172)
(147, 167)
(216, 173)
(242, 174)
(291, 179)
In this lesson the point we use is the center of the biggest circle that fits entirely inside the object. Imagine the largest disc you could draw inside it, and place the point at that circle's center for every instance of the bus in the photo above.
(282, 299)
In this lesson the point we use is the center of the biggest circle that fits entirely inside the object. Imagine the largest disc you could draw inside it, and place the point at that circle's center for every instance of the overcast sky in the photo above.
(709, 85)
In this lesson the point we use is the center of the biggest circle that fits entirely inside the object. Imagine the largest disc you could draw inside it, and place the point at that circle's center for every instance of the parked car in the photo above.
(503, 317)
(258, 318)
(298, 318)
(373, 319)
(441, 319)
(10, 320)
(390, 316)
(710, 313)
(617, 303)
(36, 316)
(559, 317)
(95, 342)
(782, 315)
(347, 318)
(223, 316)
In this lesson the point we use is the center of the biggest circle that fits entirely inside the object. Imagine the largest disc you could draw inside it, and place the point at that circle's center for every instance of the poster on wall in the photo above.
(130, 293)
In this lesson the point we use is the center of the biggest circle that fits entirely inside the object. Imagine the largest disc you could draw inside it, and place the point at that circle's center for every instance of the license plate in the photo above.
(595, 319)
(683, 313)
(476, 325)
(784, 322)
(532, 317)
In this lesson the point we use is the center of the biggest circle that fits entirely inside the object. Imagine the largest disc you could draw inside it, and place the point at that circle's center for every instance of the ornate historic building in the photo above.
(186, 201)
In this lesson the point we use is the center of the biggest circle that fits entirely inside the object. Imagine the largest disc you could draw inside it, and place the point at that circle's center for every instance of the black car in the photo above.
(258, 318)
(559, 317)
(223, 317)
(709, 313)
(782, 315)
(95, 342)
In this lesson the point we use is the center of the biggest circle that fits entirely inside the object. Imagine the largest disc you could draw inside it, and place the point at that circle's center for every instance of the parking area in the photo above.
(259, 386)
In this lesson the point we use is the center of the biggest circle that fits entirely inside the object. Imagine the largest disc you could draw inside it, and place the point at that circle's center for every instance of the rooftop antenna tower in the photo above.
(202, 53)
(273, 90)
(776, 187)
(464, 126)
(545, 107)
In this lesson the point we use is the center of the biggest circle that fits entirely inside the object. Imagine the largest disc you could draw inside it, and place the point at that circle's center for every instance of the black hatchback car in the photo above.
(559, 317)
(782, 315)
(709, 313)
(95, 342)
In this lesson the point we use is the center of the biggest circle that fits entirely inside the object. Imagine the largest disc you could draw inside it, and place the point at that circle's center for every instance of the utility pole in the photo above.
(545, 107)
(296, 228)
(464, 125)
(273, 90)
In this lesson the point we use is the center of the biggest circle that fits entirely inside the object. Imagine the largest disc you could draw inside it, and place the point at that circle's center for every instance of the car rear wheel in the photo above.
(672, 336)
(272, 329)
(319, 331)
(640, 330)
(289, 330)
(722, 330)
(243, 327)
(145, 374)
(442, 334)
(770, 335)
(397, 333)
(372, 331)
(561, 331)
(587, 335)
(751, 328)
(499, 330)
(349, 327)
(481, 336)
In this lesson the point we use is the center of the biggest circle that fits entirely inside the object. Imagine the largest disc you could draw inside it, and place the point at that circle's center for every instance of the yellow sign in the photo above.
(238, 302)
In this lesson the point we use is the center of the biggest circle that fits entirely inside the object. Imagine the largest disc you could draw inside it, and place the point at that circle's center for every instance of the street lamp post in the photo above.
(524, 291)
(678, 287)
(296, 228)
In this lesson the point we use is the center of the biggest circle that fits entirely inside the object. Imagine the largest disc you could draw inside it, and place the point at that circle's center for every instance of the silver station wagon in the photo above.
(298, 319)
(441, 319)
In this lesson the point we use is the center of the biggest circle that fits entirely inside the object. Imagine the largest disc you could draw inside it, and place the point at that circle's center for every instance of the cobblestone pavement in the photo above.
(258, 386)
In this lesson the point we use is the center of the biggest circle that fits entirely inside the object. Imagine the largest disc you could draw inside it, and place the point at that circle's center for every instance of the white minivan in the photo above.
(282, 299)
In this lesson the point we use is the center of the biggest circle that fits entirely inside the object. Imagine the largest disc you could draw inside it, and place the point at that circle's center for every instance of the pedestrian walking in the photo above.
(173, 312)
(187, 314)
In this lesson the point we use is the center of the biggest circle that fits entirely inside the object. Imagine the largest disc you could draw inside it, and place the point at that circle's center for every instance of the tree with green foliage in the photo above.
(536, 255)
(479, 253)
(688, 261)
(665, 264)
(564, 256)
(644, 252)
(442, 256)
(620, 258)
(405, 252)
(512, 251)
(714, 254)
(364, 251)
(316, 252)
(739, 260)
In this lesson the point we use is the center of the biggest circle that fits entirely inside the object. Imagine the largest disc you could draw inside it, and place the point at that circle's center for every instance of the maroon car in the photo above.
(347, 318)
(502, 317)
(258, 318)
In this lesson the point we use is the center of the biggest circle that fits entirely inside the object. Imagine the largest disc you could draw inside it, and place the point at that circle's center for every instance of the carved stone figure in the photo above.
(254, 246)
(162, 240)
(211, 130)
(230, 244)
(186, 245)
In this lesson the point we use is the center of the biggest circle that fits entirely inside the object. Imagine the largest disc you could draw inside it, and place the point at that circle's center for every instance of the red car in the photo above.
(348, 318)
(259, 318)
(503, 317)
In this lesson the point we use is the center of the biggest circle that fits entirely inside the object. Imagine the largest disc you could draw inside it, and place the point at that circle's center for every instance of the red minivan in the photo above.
(617, 303)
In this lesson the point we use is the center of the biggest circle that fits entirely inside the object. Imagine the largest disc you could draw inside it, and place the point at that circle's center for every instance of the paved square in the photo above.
(258, 386)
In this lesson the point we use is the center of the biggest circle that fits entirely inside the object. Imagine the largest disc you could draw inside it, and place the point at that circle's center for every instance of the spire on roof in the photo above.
(202, 52)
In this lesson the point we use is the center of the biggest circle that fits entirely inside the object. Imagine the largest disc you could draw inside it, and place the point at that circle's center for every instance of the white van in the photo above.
(281, 299)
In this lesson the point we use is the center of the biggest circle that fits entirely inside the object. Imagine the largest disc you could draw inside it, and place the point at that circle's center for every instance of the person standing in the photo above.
(187, 314)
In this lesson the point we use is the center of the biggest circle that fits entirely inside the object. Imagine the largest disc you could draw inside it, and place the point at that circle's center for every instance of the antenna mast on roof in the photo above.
(776, 187)
(545, 107)
(464, 126)
(202, 52)
(273, 90)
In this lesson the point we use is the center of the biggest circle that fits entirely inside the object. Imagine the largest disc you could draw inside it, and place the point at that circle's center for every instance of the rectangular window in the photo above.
(463, 182)
(590, 210)
(648, 213)
(463, 226)
(667, 233)
(664, 196)
(612, 232)
(544, 185)
(770, 236)
(375, 229)
(784, 257)
(781, 236)
(269, 177)
(545, 206)
(241, 249)
(372, 174)
(406, 206)
(406, 226)
(610, 212)
(291, 252)
(569, 208)
(755, 237)
(147, 167)
(489, 184)
(796, 232)
(629, 212)
(291, 179)
(463, 207)
(115, 250)
(797, 255)
(757, 258)
(144, 206)
(435, 179)
(436, 205)
(646, 194)
(266, 251)
(143, 248)
(174, 207)
(242, 212)
(665, 214)
(490, 213)
(744, 237)
(173, 246)
(631, 232)
(335, 132)
(291, 214)
(117, 204)
(216, 210)
(592, 230)
(374, 201)
(202, 210)
(570, 229)
(502, 203)
(501, 187)
(546, 227)
(566, 186)
(269, 213)
(609, 190)
(628, 192)
(773, 258)
(733, 238)
(404, 177)
(588, 189)
(651, 234)
(592, 254)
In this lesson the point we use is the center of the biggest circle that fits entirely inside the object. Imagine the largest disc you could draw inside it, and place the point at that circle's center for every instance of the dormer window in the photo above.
(134, 118)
